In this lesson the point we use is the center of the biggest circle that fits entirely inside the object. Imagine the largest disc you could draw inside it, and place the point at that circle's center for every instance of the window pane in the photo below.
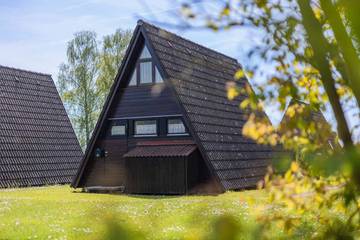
(158, 78)
(147, 127)
(133, 79)
(176, 126)
(145, 53)
(146, 72)
(118, 130)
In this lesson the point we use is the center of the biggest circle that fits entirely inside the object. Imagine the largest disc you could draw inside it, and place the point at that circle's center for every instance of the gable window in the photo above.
(158, 78)
(145, 53)
(145, 127)
(146, 72)
(175, 126)
(133, 79)
(118, 129)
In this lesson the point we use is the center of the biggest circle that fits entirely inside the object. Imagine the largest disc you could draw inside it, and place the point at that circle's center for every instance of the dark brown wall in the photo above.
(148, 100)
(199, 179)
(135, 101)
(109, 170)
(167, 175)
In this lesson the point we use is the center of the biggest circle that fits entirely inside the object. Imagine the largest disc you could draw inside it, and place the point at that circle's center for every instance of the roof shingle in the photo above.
(199, 76)
(38, 145)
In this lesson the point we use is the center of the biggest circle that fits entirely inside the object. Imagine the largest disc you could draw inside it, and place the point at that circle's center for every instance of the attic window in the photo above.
(133, 79)
(158, 78)
(145, 53)
(146, 71)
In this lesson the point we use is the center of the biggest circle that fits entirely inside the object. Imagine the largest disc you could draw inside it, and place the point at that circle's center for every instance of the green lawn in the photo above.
(59, 213)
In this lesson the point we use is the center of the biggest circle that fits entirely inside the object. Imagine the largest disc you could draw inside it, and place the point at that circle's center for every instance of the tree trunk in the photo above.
(352, 62)
(317, 42)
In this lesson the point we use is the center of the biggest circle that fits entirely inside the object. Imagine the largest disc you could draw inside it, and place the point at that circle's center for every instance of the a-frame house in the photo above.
(167, 126)
(304, 114)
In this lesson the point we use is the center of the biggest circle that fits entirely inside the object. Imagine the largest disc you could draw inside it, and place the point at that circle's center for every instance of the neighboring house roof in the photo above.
(37, 143)
(162, 149)
(198, 77)
(308, 114)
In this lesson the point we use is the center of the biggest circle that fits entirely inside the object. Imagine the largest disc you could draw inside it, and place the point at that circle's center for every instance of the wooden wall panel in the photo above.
(155, 175)
(109, 170)
(144, 101)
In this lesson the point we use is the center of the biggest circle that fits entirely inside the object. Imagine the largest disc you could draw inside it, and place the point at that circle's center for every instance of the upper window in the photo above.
(146, 72)
(133, 79)
(146, 127)
(158, 78)
(145, 53)
(176, 126)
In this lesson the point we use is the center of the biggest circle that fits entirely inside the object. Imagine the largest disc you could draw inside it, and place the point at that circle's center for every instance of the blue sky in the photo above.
(34, 33)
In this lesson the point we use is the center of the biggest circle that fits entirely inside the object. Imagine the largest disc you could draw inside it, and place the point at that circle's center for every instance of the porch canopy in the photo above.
(176, 148)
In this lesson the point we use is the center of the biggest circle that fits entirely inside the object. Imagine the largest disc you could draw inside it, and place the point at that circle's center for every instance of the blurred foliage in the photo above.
(313, 48)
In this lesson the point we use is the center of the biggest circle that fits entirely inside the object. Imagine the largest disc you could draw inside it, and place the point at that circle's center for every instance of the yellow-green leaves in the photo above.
(242, 73)
(232, 90)
(226, 10)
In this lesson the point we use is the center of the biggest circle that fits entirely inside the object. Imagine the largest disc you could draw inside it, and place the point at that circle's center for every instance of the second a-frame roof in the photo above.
(198, 76)
(38, 145)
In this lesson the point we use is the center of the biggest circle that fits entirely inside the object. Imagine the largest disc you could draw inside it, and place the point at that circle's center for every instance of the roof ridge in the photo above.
(24, 70)
(142, 22)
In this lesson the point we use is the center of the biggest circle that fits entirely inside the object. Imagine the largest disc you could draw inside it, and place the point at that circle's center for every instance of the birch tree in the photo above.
(76, 83)
(113, 50)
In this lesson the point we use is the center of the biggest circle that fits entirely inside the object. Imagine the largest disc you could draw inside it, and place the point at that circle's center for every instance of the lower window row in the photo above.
(149, 127)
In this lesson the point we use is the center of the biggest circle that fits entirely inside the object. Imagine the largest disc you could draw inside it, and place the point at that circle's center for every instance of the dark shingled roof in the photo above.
(311, 115)
(37, 143)
(198, 76)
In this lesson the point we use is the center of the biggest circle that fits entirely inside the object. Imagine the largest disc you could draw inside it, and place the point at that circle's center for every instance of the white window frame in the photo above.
(185, 132)
(123, 133)
(150, 134)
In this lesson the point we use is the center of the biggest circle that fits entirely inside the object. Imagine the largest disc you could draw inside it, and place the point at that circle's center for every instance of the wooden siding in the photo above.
(146, 100)
(169, 175)
(109, 170)
(137, 101)
(199, 179)
(156, 175)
